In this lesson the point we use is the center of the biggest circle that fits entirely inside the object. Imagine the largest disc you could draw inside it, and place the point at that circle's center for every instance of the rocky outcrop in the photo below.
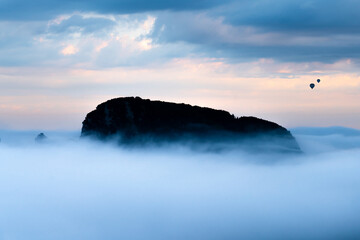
(40, 138)
(134, 120)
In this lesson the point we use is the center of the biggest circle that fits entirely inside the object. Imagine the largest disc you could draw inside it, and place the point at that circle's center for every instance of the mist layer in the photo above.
(71, 189)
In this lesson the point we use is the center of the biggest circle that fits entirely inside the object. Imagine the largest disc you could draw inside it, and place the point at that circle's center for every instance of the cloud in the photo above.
(288, 31)
(216, 35)
(296, 31)
(84, 24)
(305, 17)
(88, 35)
(69, 50)
(313, 131)
(41, 9)
(68, 189)
(315, 140)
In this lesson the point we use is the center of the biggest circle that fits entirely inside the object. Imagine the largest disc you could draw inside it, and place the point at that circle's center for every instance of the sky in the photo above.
(60, 59)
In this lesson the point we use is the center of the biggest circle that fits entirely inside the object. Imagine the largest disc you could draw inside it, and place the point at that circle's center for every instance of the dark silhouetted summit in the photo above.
(136, 120)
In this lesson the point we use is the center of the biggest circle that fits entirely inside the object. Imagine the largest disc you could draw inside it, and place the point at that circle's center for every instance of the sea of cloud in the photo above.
(68, 188)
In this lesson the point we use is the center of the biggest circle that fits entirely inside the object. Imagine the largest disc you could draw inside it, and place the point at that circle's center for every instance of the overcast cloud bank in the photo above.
(238, 31)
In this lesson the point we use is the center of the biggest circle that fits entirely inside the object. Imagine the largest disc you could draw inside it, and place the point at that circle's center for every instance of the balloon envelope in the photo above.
(312, 85)
(318, 80)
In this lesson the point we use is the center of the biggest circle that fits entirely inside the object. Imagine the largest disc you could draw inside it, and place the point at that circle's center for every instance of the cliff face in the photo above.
(136, 120)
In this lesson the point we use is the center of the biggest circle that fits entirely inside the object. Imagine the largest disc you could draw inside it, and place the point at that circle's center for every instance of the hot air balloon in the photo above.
(312, 85)
(318, 80)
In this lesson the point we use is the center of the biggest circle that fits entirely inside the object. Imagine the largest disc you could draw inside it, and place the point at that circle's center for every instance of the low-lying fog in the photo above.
(71, 189)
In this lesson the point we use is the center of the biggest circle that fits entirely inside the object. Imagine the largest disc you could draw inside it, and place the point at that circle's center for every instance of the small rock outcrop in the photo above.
(135, 120)
(40, 138)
